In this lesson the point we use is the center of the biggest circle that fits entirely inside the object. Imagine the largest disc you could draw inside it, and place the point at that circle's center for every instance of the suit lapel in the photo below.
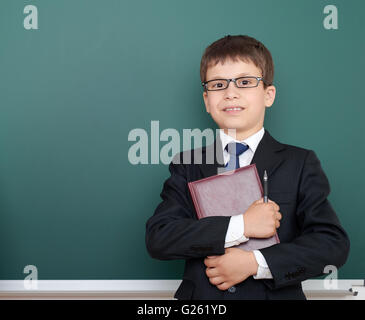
(266, 156)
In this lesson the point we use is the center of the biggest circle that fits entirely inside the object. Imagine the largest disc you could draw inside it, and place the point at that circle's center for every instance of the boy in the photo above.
(237, 74)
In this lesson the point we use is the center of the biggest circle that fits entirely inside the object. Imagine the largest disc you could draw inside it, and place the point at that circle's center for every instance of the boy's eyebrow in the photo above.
(240, 75)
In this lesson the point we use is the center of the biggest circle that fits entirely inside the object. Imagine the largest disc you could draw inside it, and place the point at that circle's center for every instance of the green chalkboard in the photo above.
(72, 90)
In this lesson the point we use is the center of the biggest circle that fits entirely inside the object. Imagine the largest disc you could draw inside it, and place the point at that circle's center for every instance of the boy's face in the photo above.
(252, 101)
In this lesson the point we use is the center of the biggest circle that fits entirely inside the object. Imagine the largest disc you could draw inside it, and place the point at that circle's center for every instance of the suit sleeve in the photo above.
(322, 240)
(174, 232)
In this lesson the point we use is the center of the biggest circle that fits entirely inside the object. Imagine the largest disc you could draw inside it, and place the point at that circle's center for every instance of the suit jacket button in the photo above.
(232, 289)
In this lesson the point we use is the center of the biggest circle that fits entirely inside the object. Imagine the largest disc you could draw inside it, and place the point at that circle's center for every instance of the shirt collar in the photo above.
(252, 141)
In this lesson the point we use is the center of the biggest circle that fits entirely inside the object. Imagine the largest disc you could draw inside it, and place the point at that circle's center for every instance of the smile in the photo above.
(233, 109)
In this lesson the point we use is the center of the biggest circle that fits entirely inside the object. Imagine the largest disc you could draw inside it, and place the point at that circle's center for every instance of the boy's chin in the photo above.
(233, 128)
(237, 131)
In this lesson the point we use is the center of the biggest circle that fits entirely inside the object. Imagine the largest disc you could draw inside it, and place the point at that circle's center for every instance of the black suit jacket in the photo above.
(310, 233)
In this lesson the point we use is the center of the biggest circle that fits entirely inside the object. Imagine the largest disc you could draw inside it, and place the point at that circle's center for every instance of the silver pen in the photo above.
(266, 187)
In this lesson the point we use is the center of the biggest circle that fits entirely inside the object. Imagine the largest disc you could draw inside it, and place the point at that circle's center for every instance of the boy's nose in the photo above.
(231, 91)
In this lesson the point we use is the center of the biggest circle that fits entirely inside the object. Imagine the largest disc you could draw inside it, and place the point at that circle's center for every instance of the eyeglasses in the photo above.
(242, 82)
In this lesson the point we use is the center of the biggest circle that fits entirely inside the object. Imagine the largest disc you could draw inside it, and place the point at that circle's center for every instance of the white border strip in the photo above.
(146, 286)
(138, 288)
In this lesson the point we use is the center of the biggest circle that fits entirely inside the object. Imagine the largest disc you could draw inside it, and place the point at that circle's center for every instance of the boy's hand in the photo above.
(235, 266)
(262, 219)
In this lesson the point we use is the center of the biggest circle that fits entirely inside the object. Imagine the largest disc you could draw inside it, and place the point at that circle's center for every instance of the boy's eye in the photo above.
(245, 82)
(218, 84)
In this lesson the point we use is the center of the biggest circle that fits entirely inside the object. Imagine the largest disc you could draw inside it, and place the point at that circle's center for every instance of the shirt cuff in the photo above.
(235, 231)
(263, 271)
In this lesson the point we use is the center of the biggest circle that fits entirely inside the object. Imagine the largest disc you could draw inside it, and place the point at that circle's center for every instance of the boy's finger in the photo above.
(277, 208)
(209, 263)
(211, 272)
(259, 201)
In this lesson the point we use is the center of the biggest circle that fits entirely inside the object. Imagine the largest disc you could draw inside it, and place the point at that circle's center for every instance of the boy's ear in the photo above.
(270, 93)
(205, 98)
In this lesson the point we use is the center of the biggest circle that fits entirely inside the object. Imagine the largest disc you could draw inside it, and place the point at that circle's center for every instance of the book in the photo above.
(227, 194)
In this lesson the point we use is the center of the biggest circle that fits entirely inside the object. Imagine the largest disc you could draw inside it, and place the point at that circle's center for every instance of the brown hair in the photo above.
(238, 47)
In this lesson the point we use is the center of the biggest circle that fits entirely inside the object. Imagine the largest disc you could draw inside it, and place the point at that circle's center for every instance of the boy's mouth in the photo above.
(233, 109)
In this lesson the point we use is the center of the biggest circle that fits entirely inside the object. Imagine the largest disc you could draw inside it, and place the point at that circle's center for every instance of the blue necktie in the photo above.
(235, 149)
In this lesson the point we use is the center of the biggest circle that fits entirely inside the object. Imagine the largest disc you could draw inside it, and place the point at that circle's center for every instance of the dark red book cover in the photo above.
(228, 194)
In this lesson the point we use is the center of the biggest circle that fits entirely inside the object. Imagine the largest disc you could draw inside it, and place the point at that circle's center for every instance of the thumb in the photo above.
(259, 201)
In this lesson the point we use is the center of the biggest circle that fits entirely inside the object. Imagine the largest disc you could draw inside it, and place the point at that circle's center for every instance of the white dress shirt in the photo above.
(236, 227)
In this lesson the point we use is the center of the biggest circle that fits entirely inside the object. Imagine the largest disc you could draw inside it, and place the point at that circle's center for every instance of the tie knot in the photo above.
(236, 148)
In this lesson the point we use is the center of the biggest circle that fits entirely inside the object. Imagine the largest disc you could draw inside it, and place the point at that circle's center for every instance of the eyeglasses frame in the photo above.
(204, 84)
